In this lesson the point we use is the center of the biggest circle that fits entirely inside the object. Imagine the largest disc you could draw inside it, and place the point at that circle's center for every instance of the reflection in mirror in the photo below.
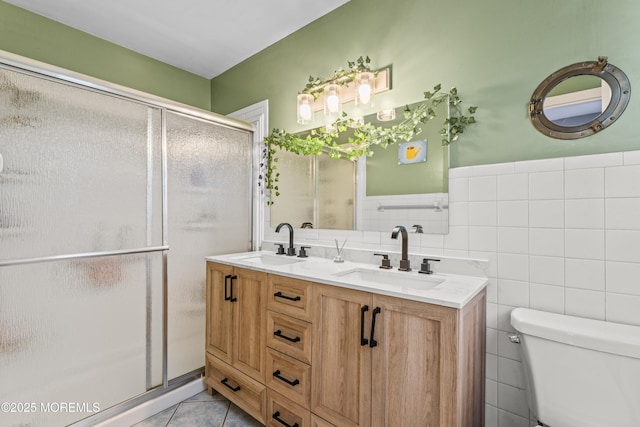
(577, 100)
(316, 192)
(399, 185)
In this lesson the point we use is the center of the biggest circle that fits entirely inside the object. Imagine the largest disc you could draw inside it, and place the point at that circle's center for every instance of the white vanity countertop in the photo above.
(452, 291)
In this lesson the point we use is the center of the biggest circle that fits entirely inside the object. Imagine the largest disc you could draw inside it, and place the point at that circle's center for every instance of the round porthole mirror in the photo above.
(579, 100)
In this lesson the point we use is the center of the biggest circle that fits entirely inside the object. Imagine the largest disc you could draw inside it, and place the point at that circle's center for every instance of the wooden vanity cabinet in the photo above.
(423, 364)
(341, 370)
(289, 340)
(235, 333)
(348, 358)
(428, 367)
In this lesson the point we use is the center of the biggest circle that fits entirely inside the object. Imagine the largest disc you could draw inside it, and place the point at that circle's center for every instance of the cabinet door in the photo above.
(249, 292)
(341, 368)
(414, 364)
(219, 329)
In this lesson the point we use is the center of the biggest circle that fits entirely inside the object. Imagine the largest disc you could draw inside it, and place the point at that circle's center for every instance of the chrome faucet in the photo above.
(291, 250)
(404, 262)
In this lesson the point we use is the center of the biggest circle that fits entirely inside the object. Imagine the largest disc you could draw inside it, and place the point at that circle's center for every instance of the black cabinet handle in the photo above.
(276, 416)
(233, 389)
(363, 310)
(281, 378)
(226, 287)
(280, 295)
(372, 342)
(278, 333)
(231, 279)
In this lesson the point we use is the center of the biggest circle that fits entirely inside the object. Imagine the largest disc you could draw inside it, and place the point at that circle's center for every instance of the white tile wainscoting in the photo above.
(560, 235)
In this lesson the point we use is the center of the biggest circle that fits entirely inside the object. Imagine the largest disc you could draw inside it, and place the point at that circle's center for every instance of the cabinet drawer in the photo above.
(289, 296)
(282, 412)
(289, 336)
(289, 377)
(242, 390)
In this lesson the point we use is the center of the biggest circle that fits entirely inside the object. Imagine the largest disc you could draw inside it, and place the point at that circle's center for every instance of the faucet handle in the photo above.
(280, 248)
(425, 267)
(303, 251)
(385, 263)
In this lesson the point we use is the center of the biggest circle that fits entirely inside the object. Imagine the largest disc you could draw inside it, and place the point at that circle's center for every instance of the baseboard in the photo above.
(154, 406)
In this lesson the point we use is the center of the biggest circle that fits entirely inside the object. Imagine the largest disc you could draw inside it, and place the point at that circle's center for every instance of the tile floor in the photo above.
(201, 410)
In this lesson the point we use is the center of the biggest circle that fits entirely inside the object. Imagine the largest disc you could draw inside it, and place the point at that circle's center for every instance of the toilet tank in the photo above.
(579, 372)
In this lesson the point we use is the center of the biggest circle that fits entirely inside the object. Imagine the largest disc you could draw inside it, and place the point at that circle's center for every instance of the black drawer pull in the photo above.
(281, 295)
(278, 333)
(276, 416)
(372, 342)
(281, 378)
(233, 389)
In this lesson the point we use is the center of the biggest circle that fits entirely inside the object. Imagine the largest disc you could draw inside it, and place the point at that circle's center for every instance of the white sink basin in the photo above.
(395, 278)
(264, 259)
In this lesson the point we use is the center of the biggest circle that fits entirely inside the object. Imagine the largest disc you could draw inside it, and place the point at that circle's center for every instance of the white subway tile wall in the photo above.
(561, 235)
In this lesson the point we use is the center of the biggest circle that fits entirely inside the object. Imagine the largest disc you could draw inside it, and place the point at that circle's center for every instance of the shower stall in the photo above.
(109, 201)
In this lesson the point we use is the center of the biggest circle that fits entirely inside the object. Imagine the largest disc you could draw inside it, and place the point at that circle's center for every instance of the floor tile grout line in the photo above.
(224, 421)
(173, 414)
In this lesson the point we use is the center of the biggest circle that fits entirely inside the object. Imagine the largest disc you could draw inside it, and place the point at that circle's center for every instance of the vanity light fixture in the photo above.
(357, 84)
(386, 115)
(332, 103)
(365, 83)
(305, 112)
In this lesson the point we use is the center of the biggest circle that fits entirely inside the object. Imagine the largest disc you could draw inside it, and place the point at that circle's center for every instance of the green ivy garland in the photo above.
(341, 77)
(365, 136)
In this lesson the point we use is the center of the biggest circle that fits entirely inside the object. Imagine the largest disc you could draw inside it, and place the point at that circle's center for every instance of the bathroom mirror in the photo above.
(579, 100)
(406, 183)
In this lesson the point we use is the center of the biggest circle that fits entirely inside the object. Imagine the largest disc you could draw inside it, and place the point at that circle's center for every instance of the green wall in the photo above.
(495, 52)
(27, 34)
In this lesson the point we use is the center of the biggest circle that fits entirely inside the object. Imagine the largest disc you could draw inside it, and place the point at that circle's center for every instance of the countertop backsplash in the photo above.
(446, 265)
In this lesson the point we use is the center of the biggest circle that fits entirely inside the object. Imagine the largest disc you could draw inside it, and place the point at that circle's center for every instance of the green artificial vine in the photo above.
(365, 136)
(342, 77)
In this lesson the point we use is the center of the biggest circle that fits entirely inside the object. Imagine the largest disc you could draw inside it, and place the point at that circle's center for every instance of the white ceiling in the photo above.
(205, 37)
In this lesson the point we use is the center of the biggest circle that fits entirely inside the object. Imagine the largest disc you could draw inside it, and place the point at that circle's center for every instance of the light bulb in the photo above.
(332, 105)
(364, 93)
(364, 88)
(305, 111)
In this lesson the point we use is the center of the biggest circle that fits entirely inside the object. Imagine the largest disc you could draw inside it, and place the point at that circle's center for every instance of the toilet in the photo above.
(579, 372)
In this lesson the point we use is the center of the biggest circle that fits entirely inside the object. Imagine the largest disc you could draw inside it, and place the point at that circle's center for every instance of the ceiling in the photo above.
(205, 37)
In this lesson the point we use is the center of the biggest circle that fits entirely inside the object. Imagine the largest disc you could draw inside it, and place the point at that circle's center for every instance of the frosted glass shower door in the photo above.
(209, 213)
(80, 285)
